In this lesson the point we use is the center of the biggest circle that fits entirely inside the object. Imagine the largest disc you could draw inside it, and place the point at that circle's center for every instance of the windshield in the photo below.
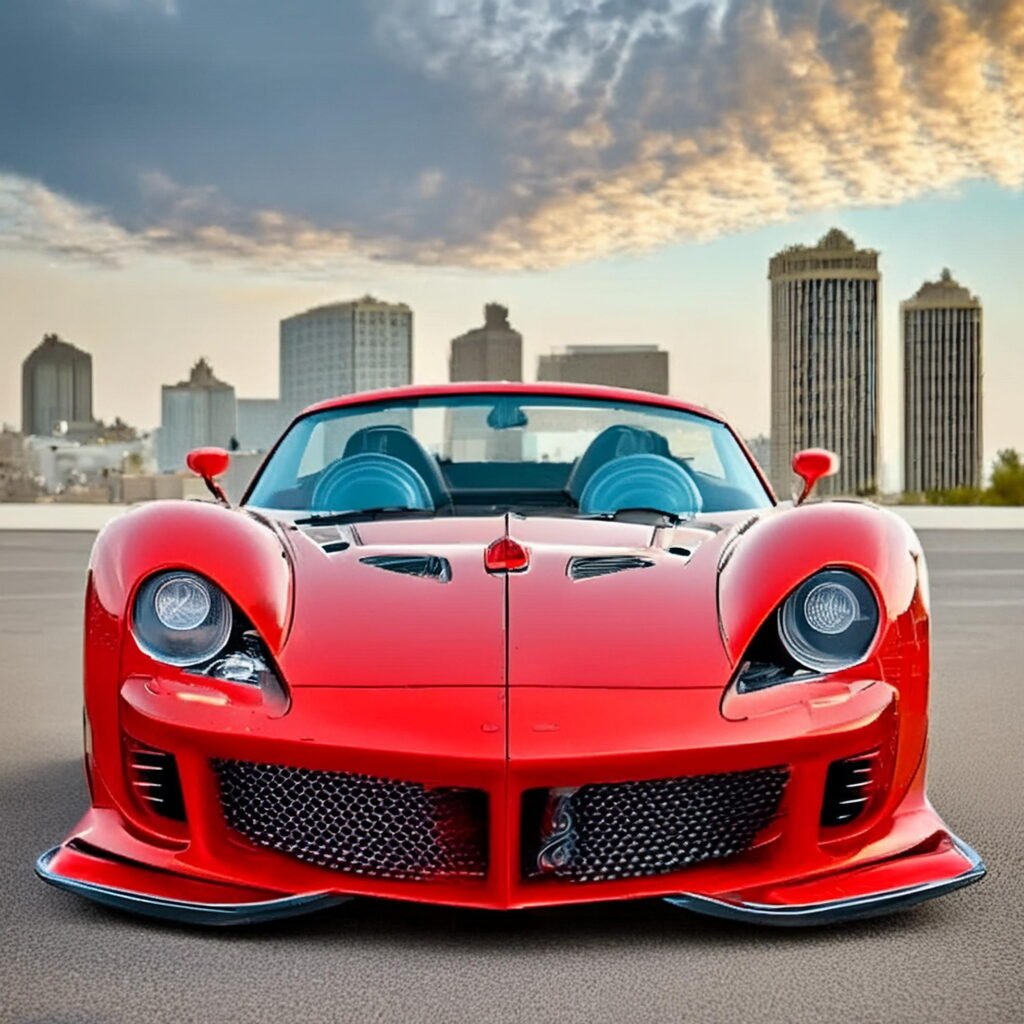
(480, 453)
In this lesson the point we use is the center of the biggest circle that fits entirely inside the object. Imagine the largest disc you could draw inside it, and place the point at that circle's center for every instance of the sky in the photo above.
(178, 175)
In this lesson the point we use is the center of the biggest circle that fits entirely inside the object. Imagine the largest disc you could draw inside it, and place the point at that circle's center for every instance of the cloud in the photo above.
(195, 225)
(658, 122)
(511, 134)
(34, 218)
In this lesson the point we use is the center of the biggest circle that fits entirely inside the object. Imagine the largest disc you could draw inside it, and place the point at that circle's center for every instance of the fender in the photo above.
(243, 557)
(785, 547)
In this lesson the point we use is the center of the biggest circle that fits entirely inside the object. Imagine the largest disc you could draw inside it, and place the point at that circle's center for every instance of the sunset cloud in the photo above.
(546, 133)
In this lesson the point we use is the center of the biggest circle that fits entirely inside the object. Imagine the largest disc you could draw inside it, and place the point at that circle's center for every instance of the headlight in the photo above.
(180, 618)
(829, 621)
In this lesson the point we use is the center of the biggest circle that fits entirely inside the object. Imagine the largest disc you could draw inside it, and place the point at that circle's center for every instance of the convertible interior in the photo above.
(383, 466)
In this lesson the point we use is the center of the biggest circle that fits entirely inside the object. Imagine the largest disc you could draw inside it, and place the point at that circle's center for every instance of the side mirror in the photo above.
(210, 463)
(811, 465)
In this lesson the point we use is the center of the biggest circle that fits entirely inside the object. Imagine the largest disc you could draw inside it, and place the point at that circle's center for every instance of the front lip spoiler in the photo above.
(184, 911)
(832, 911)
(733, 907)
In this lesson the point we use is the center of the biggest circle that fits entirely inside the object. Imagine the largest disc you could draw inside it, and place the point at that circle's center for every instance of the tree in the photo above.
(1007, 487)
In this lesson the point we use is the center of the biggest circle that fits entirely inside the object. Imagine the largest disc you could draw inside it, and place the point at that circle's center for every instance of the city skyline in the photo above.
(892, 475)
(892, 461)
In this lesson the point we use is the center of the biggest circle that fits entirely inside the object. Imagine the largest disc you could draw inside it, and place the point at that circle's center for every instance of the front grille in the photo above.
(654, 827)
(358, 824)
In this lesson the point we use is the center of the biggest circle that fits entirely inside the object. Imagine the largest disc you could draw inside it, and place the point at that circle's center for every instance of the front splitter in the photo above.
(867, 891)
(218, 911)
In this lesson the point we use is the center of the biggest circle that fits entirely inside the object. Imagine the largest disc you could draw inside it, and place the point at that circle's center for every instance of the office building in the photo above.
(941, 335)
(56, 390)
(760, 448)
(491, 352)
(193, 413)
(342, 348)
(824, 361)
(643, 367)
(260, 423)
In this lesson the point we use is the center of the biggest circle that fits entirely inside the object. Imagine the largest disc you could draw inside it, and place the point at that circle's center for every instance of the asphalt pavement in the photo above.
(959, 958)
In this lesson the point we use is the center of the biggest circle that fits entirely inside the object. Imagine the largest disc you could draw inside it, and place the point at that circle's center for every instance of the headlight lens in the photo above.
(182, 602)
(181, 619)
(831, 608)
(829, 621)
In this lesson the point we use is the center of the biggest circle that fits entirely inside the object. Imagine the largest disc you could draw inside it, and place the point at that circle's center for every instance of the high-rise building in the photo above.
(342, 348)
(491, 352)
(760, 448)
(643, 367)
(824, 324)
(941, 329)
(260, 423)
(56, 390)
(193, 413)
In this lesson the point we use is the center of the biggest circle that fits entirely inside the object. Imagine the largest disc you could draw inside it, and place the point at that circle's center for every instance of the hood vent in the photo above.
(430, 567)
(588, 567)
(330, 538)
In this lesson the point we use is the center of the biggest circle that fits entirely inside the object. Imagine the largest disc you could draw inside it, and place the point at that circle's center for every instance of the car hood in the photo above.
(602, 604)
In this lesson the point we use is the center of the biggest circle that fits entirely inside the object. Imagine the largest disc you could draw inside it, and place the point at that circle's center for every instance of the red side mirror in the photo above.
(811, 465)
(210, 463)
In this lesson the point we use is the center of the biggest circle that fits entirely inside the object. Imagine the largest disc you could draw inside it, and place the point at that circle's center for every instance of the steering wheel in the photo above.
(640, 481)
(371, 480)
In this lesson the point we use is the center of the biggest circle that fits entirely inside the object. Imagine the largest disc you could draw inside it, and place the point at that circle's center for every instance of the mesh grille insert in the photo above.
(634, 829)
(359, 824)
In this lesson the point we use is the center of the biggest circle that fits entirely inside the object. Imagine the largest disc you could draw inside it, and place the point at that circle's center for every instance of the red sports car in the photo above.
(505, 646)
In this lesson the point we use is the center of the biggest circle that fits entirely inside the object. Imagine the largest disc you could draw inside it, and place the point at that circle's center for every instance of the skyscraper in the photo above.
(342, 348)
(259, 423)
(491, 352)
(824, 390)
(193, 413)
(643, 367)
(56, 389)
(941, 329)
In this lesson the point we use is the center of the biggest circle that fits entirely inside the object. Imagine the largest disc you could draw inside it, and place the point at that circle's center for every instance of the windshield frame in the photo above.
(504, 388)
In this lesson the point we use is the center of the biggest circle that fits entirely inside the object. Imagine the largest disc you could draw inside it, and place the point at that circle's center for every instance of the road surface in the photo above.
(960, 958)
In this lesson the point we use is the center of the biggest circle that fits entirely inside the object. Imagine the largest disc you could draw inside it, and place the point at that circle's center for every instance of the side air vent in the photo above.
(153, 776)
(849, 787)
(587, 567)
(430, 567)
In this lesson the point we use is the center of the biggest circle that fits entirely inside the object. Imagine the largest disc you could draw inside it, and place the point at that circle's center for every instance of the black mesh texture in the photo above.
(633, 829)
(357, 823)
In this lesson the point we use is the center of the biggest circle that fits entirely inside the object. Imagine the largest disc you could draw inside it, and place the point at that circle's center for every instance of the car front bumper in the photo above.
(797, 872)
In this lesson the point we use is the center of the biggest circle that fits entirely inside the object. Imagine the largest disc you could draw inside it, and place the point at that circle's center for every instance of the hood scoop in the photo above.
(430, 567)
(587, 567)
(331, 538)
